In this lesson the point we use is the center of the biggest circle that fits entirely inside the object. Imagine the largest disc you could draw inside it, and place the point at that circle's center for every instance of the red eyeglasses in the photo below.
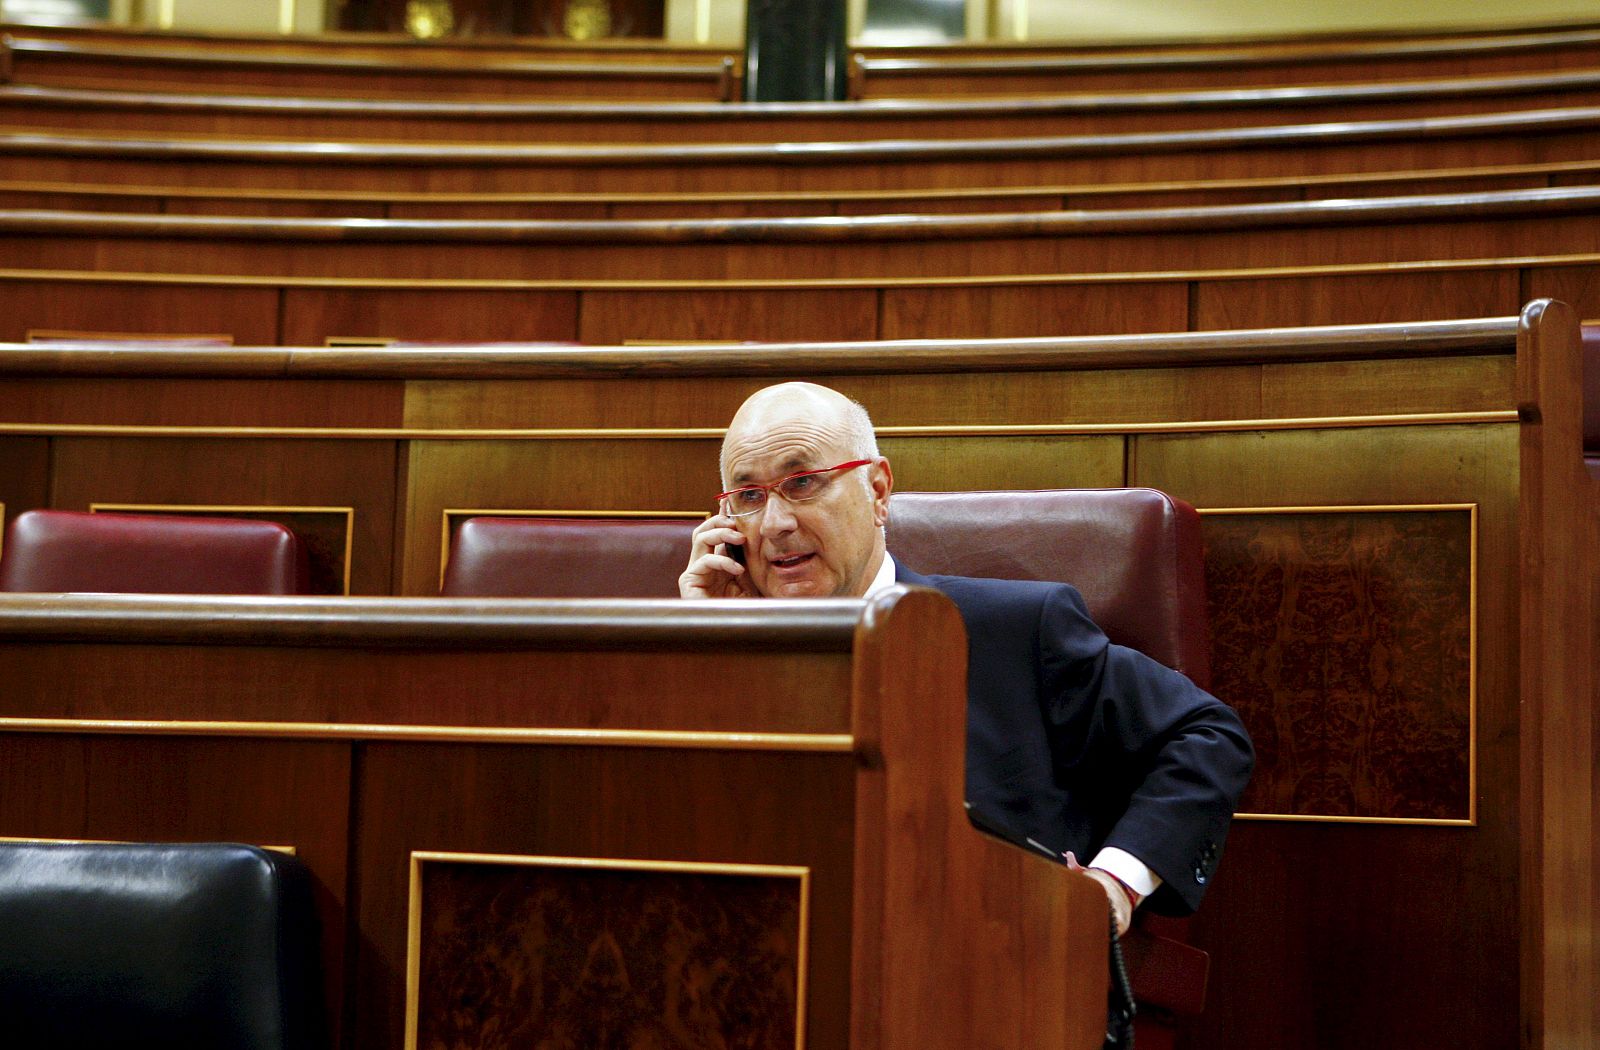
(796, 488)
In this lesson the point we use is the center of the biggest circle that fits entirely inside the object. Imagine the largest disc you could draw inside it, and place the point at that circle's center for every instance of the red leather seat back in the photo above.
(568, 558)
(58, 550)
(1135, 554)
(1591, 394)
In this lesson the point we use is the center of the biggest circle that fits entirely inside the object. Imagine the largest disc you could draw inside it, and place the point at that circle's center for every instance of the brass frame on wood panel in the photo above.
(206, 508)
(711, 740)
(459, 512)
(414, 909)
(1472, 658)
(288, 851)
(88, 336)
(1202, 426)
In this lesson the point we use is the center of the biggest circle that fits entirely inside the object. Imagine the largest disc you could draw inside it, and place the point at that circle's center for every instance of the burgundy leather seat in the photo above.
(567, 558)
(57, 550)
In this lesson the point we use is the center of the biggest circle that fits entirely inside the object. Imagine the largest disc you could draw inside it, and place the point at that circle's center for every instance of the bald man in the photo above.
(1087, 748)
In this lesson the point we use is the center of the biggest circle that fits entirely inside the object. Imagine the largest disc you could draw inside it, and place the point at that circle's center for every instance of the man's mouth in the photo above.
(790, 561)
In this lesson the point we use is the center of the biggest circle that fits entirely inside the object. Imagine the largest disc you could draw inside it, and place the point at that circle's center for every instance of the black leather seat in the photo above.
(126, 946)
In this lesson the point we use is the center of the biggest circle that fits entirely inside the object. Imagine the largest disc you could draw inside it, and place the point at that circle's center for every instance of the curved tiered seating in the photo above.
(1515, 137)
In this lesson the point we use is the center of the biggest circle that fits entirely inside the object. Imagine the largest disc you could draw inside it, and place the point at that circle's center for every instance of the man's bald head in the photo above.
(772, 408)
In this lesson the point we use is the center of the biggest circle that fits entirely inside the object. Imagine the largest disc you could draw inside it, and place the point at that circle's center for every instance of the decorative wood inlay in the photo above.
(561, 953)
(1345, 639)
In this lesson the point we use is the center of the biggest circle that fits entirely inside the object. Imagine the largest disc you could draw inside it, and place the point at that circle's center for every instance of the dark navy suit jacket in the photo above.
(1079, 743)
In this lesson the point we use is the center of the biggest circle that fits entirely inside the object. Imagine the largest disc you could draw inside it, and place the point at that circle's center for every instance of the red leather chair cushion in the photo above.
(1135, 554)
(568, 558)
(57, 550)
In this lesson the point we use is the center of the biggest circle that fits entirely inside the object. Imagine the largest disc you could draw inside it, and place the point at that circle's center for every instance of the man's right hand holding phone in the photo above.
(716, 562)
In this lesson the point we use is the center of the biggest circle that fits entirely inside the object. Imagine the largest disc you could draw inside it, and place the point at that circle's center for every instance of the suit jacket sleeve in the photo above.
(1127, 725)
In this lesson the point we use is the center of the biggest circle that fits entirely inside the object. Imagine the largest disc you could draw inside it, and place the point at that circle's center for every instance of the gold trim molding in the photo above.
(1471, 819)
(288, 851)
(414, 909)
(1204, 426)
(711, 740)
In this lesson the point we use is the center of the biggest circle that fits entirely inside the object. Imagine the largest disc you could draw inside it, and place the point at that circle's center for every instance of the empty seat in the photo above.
(54, 550)
(568, 558)
(143, 945)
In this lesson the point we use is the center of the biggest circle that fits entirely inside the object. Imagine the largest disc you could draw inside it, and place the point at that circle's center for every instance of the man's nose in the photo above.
(777, 517)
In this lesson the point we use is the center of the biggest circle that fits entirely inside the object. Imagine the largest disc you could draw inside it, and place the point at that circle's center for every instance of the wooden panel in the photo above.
(249, 314)
(1344, 639)
(956, 247)
(964, 464)
(770, 315)
(313, 315)
(1349, 388)
(24, 475)
(264, 402)
(1356, 298)
(1283, 916)
(1000, 311)
(584, 952)
(222, 472)
(158, 789)
(730, 808)
(1577, 286)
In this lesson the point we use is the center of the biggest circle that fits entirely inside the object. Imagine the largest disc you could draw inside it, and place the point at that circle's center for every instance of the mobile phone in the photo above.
(735, 551)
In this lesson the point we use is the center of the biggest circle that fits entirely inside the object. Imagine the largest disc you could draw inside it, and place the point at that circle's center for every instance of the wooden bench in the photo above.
(74, 63)
(123, 109)
(881, 74)
(376, 204)
(1524, 137)
(1372, 230)
(301, 311)
(397, 46)
(1442, 460)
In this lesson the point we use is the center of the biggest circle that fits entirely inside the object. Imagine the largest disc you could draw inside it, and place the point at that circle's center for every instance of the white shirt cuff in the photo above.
(1129, 869)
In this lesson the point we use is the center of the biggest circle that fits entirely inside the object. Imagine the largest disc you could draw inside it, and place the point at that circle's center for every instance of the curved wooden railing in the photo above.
(123, 110)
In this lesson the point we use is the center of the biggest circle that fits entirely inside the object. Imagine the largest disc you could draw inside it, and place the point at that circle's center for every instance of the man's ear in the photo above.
(882, 480)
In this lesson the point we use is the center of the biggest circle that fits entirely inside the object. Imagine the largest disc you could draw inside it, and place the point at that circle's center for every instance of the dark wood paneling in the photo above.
(1453, 882)
(587, 803)
(221, 472)
(248, 313)
(1020, 310)
(1395, 229)
(1360, 700)
(1577, 286)
(571, 957)
(314, 315)
(202, 402)
(24, 474)
(1356, 298)
(778, 314)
